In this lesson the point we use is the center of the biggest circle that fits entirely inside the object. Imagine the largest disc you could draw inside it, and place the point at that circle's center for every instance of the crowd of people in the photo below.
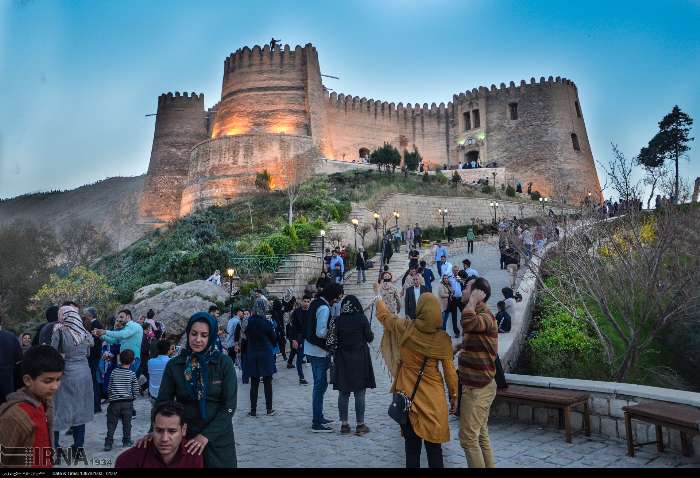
(62, 375)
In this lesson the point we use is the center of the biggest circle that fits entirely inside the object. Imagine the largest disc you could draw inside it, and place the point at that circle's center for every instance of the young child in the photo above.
(123, 390)
(26, 417)
(502, 317)
(338, 274)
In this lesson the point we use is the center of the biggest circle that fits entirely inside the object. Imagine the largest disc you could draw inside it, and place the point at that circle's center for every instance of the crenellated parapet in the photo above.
(174, 99)
(247, 57)
(384, 109)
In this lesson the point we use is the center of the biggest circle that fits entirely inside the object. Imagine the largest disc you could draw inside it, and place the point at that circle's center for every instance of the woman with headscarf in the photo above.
(407, 346)
(204, 380)
(73, 403)
(278, 319)
(259, 359)
(390, 294)
(353, 363)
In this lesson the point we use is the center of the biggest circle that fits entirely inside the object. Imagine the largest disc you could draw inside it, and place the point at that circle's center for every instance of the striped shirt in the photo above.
(477, 358)
(123, 385)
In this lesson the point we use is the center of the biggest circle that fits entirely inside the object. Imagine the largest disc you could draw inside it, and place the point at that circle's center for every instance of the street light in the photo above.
(376, 228)
(323, 248)
(443, 213)
(355, 223)
(494, 205)
(396, 217)
(230, 272)
(543, 201)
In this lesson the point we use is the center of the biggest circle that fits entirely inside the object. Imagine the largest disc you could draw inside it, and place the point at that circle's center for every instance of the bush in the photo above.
(441, 178)
(535, 195)
(563, 346)
(486, 189)
(426, 177)
(456, 178)
(264, 249)
(281, 244)
(510, 191)
(263, 180)
(412, 160)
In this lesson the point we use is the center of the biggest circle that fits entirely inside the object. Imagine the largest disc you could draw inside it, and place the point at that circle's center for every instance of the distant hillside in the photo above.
(111, 205)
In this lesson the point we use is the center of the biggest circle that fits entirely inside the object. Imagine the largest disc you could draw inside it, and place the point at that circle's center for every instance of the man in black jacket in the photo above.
(412, 293)
(295, 334)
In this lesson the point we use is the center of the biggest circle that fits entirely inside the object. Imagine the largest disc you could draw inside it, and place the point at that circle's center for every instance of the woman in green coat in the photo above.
(204, 381)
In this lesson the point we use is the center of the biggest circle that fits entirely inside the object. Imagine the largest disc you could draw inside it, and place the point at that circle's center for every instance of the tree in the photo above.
(82, 243)
(619, 173)
(456, 178)
(297, 169)
(670, 143)
(82, 286)
(362, 231)
(28, 257)
(387, 156)
(629, 280)
(263, 181)
(412, 159)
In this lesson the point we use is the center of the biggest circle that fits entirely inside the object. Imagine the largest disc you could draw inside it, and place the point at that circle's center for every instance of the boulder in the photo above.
(151, 290)
(176, 305)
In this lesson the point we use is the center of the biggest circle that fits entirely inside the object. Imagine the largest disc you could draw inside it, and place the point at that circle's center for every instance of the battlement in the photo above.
(282, 55)
(171, 99)
(483, 91)
(385, 109)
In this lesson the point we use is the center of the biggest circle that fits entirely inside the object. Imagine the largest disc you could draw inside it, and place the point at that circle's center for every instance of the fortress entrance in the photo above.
(471, 160)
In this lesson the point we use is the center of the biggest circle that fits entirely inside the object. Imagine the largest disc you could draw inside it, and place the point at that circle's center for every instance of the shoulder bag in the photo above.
(401, 403)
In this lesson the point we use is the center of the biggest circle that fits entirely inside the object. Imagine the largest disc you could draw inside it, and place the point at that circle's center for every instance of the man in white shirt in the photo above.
(471, 272)
(156, 367)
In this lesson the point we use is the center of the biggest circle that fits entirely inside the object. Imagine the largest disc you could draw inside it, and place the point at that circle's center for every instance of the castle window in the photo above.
(467, 121)
(477, 119)
(574, 142)
(513, 108)
(578, 109)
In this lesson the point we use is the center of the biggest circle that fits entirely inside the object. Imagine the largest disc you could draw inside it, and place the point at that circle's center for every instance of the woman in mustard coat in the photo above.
(405, 345)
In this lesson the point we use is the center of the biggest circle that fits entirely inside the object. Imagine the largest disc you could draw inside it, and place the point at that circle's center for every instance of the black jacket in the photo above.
(410, 302)
(353, 362)
(297, 325)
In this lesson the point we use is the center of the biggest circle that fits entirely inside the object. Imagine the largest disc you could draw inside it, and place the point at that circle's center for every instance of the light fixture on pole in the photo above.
(355, 223)
(231, 273)
(396, 217)
(443, 213)
(494, 205)
(323, 248)
(376, 228)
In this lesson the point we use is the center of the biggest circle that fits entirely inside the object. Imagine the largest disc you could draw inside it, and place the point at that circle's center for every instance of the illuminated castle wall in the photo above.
(274, 108)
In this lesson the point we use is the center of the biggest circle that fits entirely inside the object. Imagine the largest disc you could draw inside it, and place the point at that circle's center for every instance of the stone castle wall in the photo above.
(180, 125)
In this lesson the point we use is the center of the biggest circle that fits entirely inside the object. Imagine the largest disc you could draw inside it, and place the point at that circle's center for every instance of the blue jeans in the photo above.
(134, 367)
(319, 369)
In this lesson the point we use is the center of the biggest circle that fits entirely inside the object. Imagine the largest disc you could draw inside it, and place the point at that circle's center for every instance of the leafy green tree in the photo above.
(510, 192)
(387, 156)
(83, 286)
(669, 144)
(263, 181)
(412, 159)
(456, 178)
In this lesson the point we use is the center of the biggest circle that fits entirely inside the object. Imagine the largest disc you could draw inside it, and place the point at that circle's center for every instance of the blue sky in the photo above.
(79, 76)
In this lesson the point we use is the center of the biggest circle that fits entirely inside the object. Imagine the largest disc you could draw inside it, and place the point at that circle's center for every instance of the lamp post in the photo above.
(494, 180)
(543, 201)
(323, 248)
(376, 228)
(230, 272)
(494, 205)
(396, 217)
(355, 222)
(443, 213)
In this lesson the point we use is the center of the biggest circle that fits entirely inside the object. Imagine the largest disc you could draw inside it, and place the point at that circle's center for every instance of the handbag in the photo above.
(401, 403)
(501, 382)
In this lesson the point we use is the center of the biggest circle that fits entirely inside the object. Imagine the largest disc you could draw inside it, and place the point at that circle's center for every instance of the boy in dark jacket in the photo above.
(26, 417)
(502, 318)
(295, 334)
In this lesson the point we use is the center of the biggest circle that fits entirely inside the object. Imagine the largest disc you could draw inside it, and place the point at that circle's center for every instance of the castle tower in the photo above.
(181, 123)
(536, 131)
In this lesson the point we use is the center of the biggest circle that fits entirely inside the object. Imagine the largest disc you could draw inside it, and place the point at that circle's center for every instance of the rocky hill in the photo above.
(111, 205)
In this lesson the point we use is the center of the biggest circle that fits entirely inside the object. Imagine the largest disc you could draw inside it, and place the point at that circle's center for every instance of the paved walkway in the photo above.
(286, 440)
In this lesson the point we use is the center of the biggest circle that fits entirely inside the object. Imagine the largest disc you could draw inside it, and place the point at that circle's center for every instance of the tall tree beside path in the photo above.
(669, 144)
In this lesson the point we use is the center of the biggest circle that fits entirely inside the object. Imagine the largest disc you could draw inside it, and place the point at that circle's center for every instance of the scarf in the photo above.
(197, 363)
(423, 335)
(351, 306)
(69, 319)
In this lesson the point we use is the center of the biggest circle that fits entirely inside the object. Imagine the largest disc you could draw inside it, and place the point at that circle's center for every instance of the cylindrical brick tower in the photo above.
(180, 124)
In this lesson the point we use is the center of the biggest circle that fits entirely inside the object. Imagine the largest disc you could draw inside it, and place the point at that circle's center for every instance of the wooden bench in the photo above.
(563, 400)
(678, 417)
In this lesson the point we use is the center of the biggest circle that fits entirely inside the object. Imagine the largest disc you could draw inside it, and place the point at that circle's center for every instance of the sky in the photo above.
(79, 76)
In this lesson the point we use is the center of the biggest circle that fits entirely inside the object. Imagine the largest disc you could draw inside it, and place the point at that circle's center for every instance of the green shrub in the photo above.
(291, 231)
(264, 249)
(486, 189)
(426, 177)
(281, 244)
(456, 178)
(441, 178)
(510, 191)
(535, 195)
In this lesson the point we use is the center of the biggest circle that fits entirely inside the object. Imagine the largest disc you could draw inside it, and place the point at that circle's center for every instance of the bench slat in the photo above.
(546, 395)
(681, 415)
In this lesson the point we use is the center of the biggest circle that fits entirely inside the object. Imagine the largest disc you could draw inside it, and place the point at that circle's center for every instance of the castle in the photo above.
(275, 111)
